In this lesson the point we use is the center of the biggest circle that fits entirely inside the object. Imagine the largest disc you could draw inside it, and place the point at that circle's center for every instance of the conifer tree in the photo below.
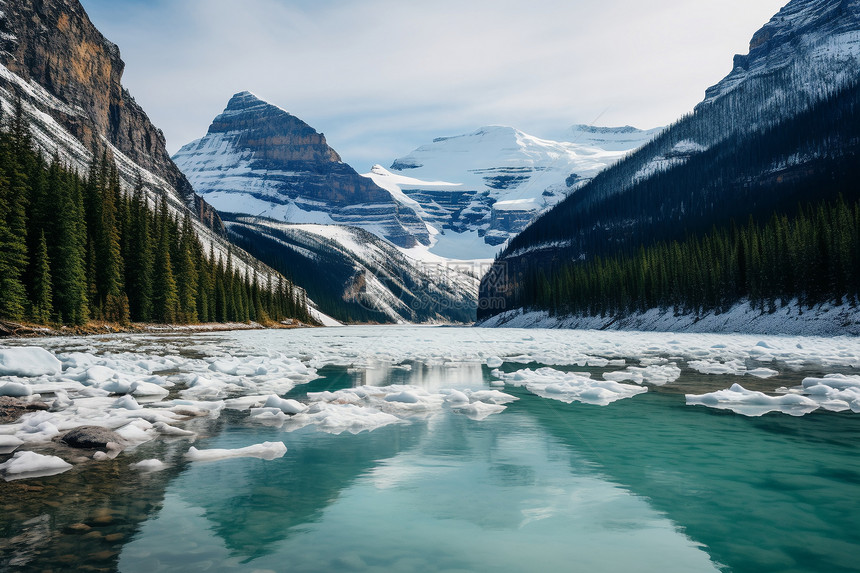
(165, 299)
(42, 297)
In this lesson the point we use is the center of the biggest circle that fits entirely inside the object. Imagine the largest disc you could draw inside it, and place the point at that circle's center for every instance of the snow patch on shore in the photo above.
(823, 320)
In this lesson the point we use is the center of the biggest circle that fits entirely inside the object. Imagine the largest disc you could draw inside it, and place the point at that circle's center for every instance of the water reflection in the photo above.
(253, 504)
(447, 493)
(542, 486)
(774, 493)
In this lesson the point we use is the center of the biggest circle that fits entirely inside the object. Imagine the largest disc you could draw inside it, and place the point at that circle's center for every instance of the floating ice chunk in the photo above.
(456, 397)
(246, 402)
(272, 416)
(571, 386)
(266, 451)
(24, 465)
(28, 361)
(127, 402)
(194, 408)
(762, 372)
(9, 443)
(97, 375)
(837, 381)
(286, 406)
(168, 430)
(15, 390)
(735, 367)
(751, 403)
(92, 392)
(151, 465)
(148, 389)
(835, 392)
(656, 374)
(494, 362)
(117, 386)
(404, 397)
(478, 410)
(38, 427)
(336, 418)
(491, 397)
(137, 432)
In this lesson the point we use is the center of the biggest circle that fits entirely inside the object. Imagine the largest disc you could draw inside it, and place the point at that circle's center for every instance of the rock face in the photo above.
(73, 74)
(818, 40)
(257, 159)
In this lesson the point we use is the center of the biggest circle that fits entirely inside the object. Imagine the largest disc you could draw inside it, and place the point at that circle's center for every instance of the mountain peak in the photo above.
(245, 100)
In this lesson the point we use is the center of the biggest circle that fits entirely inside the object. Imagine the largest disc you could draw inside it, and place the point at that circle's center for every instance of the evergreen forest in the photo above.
(768, 216)
(77, 248)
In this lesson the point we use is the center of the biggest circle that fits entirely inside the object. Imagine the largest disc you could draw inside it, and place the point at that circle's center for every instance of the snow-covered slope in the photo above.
(356, 276)
(477, 190)
(259, 160)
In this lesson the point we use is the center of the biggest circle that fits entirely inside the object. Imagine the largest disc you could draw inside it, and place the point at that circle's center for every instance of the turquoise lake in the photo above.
(646, 483)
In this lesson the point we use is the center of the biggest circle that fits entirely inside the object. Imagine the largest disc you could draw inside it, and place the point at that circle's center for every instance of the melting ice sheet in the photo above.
(150, 386)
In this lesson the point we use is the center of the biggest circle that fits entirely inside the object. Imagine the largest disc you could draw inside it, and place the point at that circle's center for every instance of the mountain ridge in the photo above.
(258, 159)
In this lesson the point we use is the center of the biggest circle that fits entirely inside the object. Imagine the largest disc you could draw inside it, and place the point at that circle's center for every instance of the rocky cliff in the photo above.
(72, 73)
(258, 159)
(817, 41)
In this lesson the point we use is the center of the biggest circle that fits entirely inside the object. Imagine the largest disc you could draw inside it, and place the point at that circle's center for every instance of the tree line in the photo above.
(810, 158)
(811, 258)
(75, 248)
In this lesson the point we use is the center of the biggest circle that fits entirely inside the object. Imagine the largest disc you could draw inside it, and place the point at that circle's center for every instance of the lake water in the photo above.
(643, 483)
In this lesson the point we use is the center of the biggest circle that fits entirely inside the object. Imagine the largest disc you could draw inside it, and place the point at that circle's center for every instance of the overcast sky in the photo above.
(380, 77)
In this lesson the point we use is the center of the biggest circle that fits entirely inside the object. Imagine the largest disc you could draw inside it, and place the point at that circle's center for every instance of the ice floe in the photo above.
(570, 386)
(656, 374)
(751, 403)
(30, 464)
(166, 387)
(834, 392)
(28, 361)
(265, 451)
(151, 465)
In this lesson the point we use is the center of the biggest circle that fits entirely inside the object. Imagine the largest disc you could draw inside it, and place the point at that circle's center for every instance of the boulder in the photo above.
(89, 437)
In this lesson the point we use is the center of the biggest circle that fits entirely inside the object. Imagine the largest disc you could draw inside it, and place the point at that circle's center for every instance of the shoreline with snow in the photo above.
(822, 320)
(15, 330)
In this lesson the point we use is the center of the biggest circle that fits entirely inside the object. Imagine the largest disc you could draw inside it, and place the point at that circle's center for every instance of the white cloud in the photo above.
(380, 77)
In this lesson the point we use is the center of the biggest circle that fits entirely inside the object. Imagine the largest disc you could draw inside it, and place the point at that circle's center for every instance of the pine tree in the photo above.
(42, 297)
(165, 299)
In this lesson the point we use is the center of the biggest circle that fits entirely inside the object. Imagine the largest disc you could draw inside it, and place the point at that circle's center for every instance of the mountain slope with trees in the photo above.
(77, 248)
(749, 198)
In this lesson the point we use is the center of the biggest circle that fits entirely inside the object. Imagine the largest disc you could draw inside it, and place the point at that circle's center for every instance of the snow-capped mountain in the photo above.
(625, 138)
(807, 51)
(477, 190)
(258, 159)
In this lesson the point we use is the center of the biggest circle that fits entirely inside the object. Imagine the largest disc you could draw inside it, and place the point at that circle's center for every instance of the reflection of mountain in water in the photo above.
(708, 471)
(253, 504)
